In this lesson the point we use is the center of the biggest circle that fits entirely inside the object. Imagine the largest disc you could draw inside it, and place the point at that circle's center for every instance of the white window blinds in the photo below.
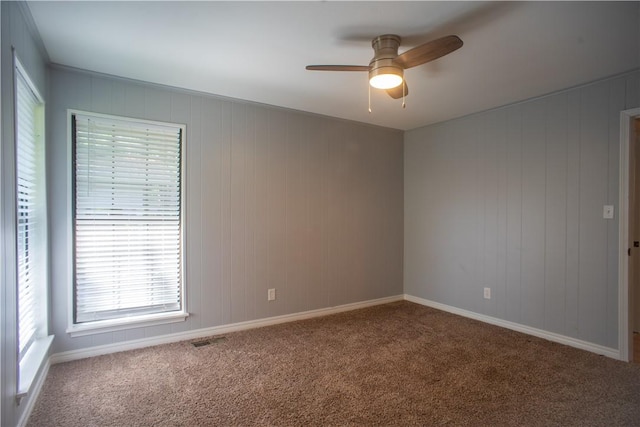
(31, 216)
(127, 193)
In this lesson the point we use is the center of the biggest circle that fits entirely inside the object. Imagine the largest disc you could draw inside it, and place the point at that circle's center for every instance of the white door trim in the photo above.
(624, 302)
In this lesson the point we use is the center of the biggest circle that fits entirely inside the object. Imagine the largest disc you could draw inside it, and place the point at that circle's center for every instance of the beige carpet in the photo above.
(398, 364)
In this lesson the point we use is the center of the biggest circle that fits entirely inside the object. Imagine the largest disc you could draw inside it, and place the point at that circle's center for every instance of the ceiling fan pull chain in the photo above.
(369, 86)
(403, 92)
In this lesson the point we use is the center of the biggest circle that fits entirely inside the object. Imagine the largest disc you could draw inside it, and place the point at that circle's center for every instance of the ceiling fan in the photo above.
(386, 69)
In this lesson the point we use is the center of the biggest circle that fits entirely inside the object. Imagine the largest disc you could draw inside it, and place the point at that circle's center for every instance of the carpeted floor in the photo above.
(398, 364)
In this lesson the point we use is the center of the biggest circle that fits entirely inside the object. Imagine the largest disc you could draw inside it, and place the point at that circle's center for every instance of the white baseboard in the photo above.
(551, 336)
(34, 393)
(68, 356)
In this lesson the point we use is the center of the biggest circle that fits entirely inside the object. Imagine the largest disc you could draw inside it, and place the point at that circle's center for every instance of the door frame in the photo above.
(625, 309)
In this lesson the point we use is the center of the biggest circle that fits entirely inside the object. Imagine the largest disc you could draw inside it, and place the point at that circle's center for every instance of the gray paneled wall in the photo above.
(309, 205)
(512, 199)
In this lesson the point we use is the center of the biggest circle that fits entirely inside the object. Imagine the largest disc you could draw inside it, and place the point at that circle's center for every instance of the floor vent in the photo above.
(207, 342)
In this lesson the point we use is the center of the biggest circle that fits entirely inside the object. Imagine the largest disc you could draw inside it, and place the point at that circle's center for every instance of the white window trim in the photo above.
(101, 326)
(31, 363)
(33, 360)
(112, 325)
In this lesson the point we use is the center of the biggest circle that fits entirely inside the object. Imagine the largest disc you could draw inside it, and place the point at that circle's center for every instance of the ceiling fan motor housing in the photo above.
(386, 50)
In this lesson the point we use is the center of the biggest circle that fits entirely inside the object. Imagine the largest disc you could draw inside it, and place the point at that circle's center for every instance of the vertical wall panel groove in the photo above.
(615, 105)
(555, 213)
(594, 148)
(194, 214)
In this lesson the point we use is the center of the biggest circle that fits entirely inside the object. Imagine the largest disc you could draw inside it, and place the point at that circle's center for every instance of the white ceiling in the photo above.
(257, 51)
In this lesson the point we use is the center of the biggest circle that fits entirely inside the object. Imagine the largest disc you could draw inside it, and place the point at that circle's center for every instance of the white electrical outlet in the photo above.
(487, 293)
(271, 294)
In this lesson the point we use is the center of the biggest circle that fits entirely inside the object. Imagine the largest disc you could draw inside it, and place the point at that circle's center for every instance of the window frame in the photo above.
(130, 322)
(29, 363)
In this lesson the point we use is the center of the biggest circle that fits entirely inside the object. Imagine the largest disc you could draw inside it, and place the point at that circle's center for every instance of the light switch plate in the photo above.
(607, 212)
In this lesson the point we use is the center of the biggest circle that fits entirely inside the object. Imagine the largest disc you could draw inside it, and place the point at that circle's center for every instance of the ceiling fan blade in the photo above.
(396, 92)
(429, 51)
(338, 67)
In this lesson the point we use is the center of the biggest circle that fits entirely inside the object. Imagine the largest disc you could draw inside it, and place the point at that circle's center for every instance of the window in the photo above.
(31, 229)
(31, 211)
(127, 197)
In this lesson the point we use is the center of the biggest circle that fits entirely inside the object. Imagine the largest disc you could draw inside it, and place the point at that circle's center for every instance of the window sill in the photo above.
(101, 326)
(31, 364)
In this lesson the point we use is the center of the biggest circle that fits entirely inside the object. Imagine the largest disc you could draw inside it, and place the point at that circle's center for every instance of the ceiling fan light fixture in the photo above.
(386, 77)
